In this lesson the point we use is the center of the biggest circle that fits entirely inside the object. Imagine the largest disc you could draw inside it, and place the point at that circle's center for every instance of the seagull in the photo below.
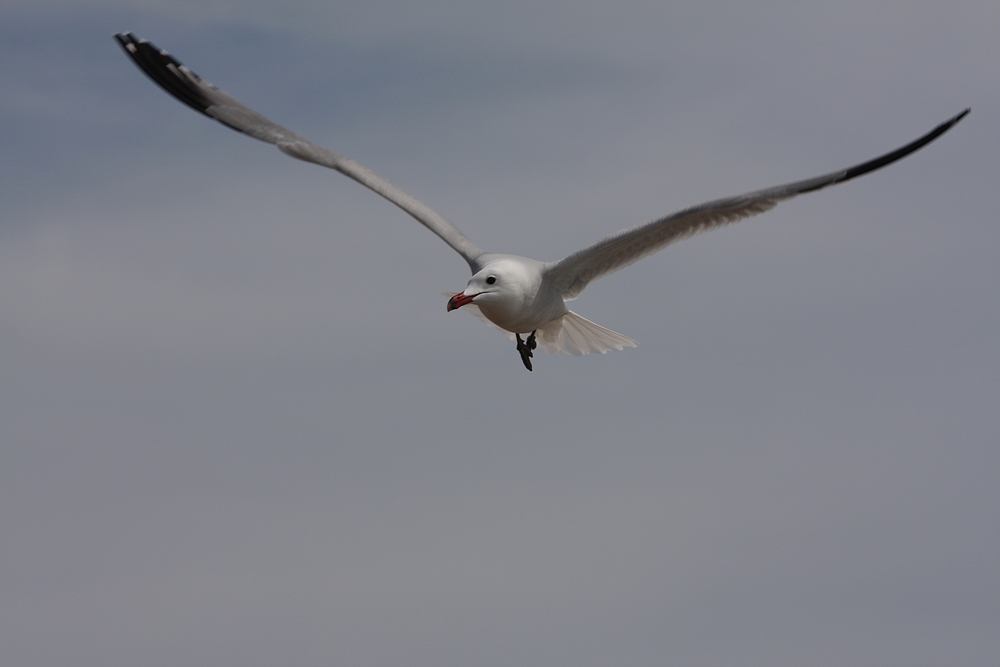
(521, 296)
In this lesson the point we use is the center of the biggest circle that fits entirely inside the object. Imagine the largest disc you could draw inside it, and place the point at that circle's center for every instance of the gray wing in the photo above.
(617, 251)
(202, 96)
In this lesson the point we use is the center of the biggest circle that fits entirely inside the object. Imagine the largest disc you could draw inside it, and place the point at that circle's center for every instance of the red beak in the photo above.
(459, 300)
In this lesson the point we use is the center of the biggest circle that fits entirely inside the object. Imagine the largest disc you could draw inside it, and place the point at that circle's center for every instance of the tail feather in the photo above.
(577, 335)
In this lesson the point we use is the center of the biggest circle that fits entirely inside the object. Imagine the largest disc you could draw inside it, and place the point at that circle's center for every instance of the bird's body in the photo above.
(512, 293)
(518, 294)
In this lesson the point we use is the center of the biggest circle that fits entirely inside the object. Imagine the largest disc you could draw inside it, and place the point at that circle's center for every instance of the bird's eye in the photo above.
(491, 280)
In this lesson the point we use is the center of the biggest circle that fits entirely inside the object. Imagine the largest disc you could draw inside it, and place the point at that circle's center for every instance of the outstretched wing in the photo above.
(617, 251)
(202, 96)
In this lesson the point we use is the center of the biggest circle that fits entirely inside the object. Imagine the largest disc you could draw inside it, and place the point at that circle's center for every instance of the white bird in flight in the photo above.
(517, 294)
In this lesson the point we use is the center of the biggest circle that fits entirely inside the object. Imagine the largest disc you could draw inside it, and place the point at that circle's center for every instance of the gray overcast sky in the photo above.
(237, 426)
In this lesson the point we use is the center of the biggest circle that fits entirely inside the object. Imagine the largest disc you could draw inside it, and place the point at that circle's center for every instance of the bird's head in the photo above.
(505, 284)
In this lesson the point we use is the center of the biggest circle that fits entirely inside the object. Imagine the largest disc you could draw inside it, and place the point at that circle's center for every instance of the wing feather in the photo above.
(202, 96)
(572, 274)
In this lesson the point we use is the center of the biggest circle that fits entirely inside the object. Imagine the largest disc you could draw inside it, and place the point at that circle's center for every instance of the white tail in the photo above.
(577, 335)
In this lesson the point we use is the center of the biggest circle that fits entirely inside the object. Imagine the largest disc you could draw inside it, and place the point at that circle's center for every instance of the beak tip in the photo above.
(460, 300)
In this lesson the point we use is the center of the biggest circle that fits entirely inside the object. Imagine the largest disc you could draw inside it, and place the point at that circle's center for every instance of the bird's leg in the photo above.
(525, 348)
(524, 351)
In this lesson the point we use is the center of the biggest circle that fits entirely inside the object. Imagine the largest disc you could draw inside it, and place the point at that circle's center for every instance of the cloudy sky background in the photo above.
(237, 426)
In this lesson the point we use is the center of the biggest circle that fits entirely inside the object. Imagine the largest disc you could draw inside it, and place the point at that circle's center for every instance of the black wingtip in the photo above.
(164, 70)
(900, 153)
(948, 124)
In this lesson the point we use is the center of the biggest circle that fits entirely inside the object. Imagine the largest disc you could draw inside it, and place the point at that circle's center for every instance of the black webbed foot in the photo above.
(525, 348)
